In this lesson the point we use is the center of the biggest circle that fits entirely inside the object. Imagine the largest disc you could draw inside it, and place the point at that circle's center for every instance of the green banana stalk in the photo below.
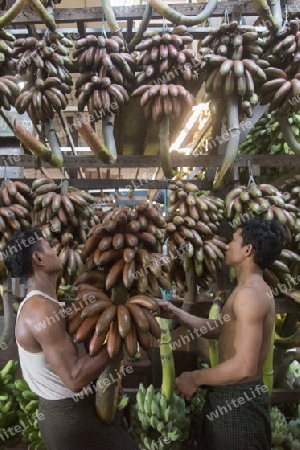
(167, 360)
(179, 19)
(268, 370)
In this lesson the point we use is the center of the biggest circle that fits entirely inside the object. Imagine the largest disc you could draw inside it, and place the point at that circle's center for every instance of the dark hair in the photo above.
(17, 254)
(267, 238)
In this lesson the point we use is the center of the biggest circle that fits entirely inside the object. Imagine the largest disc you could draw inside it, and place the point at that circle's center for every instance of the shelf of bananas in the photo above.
(28, 414)
(43, 65)
(15, 209)
(155, 422)
(65, 220)
(107, 74)
(283, 75)
(232, 57)
(9, 413)
(191, 230)
(162, 57)
(268, 202)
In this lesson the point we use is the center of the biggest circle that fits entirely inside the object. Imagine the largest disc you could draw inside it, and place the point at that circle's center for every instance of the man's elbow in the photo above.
(248, 371)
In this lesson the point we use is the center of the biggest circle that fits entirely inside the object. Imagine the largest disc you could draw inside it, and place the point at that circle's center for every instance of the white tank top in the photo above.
(36, 371)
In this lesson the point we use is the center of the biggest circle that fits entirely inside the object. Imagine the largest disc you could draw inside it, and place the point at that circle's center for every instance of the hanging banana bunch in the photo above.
(9, 87)
(107, 74)
(283, 75)
(164, 56)
(15, 209)
(127, 244)
(291, 189)
(192, 226)
(65, 215)
(233, 64)
(43, 64)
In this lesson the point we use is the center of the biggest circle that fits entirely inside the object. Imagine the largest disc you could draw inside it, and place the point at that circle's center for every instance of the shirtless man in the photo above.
(50, 361)
(236, 411)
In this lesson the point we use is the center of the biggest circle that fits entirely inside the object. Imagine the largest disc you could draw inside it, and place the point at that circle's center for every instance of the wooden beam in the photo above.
(283, 396)
(133, 12)
(73, 161)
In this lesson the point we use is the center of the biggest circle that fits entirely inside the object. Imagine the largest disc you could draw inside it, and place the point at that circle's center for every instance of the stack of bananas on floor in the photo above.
(107, 74)
(159, 55)
(127, 245)
(65, 220)
(291, 189)
(268, 202)
(9, 87)
(155, 422)
(95, 319)
(29, 403)
(15, 209)
(192, 240)
(232, 56)
(283, 78)
(9, 413)
(43, 64)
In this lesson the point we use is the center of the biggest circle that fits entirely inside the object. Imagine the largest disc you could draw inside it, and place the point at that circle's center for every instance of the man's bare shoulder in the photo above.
(253, 299)
(37, 308)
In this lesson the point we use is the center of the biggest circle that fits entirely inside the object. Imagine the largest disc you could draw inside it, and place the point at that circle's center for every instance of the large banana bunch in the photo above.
(232, 62)
(95, 319)
(107, 72)
(15, 209)
(269, 203)
(154, 421)
(192, 226)
(283, 78)
(44, 65)
(29, 403)
(280, 427)
(65, 220)
(127, 245)
(163, 100)
(9, 414)
(161, 52)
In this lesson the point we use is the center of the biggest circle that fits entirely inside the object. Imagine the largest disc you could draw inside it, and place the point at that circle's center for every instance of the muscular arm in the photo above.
(207, 328)
(62, 354)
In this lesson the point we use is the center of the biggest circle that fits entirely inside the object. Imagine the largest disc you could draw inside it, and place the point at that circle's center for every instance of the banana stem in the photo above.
(191, 289)
(47, 18)
(111, 18)
(179, 19)
(288, 134)
(164, 146)
(167, 360)
(276, 12)
(34, 145)
(268, 370)
(9, 319)
(9, 16)
(143, 26)
(108, 135)
(264, 11)
(57, 155)
(234, 138)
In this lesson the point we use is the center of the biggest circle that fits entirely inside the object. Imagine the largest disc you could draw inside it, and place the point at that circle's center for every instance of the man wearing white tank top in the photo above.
(50, 361)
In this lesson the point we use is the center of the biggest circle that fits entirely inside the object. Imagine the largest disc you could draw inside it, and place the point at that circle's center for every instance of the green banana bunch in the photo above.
(153, 420)
(8, 405)
(28, 402)
(279, 427)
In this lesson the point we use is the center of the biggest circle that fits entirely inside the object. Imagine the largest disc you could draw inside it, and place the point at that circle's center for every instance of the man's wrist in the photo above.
(196, 378)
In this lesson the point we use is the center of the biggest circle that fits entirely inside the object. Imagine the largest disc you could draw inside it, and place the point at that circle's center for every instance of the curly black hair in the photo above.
(267, 238)
(17, 254)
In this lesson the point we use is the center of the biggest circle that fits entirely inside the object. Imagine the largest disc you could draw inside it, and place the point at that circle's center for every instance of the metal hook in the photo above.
(226, 15)
(285, 22)
(251, 178)
(165, 27)
(5, 173)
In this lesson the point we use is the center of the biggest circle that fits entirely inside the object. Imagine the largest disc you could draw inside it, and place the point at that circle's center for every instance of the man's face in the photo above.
(235, 249)
(52, 261)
